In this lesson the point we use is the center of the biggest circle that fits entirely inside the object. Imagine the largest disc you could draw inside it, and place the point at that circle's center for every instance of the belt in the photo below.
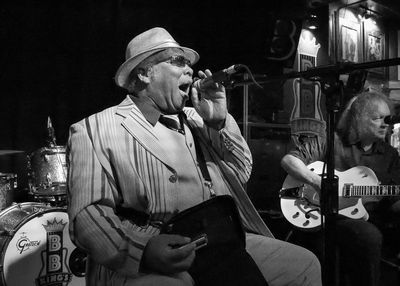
(139, 218)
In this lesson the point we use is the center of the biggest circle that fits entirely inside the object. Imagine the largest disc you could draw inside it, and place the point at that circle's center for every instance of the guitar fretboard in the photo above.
(373, 191)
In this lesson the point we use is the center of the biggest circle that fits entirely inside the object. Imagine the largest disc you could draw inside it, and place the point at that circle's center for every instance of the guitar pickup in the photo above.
(292, 192)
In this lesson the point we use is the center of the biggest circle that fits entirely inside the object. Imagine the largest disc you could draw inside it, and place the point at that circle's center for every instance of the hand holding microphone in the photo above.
(211, 105)
(209, 99)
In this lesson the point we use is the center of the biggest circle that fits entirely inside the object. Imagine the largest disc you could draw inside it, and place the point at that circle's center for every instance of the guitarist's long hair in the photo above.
(351, 124)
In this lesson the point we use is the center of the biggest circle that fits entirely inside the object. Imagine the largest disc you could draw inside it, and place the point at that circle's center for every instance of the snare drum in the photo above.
(47, 174)
(36, 248)
(8, 184)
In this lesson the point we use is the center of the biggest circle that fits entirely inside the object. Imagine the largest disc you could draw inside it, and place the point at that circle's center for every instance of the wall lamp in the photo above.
(311, 22)
(367, 14)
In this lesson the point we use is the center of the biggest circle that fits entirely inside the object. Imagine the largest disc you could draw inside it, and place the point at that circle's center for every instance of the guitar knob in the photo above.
(296, 215)
(354, 211)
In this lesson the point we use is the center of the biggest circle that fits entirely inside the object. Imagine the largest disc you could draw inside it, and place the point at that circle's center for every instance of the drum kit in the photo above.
(36, 248)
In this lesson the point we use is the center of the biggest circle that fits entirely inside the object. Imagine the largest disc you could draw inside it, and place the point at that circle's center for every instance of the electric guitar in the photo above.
(356, 186)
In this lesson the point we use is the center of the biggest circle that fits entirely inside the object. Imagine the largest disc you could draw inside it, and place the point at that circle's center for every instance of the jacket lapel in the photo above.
(137, 126)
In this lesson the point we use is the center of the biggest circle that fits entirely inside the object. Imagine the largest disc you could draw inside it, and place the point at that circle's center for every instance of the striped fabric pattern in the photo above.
(115, 159)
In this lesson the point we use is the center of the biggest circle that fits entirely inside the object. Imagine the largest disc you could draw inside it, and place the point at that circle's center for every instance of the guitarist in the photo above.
(359, 141)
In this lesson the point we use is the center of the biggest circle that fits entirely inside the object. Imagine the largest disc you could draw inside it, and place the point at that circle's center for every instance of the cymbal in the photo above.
(8, 152)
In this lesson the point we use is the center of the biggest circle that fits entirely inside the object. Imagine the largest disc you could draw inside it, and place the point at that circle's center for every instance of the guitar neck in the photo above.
(350, 190)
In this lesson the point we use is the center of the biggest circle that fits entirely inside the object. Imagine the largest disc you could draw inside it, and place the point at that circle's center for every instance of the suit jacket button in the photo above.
(173, 178)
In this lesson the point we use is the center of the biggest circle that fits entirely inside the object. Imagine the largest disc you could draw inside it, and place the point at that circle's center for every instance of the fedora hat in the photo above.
(143, 46)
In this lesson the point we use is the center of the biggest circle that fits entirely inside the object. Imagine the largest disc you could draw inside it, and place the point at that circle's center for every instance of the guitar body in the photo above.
(303, 209)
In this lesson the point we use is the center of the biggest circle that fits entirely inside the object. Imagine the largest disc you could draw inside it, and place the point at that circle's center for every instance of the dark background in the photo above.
(58, 58)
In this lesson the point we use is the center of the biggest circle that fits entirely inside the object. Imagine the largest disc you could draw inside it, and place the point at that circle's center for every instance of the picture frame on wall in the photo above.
(350, 41)
(374, 49)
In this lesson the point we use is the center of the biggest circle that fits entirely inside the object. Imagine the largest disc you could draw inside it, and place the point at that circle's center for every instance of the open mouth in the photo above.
(185, 88)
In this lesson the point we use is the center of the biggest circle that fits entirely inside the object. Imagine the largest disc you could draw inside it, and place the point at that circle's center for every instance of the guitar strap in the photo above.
(201, 160)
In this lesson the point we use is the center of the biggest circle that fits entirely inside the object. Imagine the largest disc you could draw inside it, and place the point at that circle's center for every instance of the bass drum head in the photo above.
(39, 251)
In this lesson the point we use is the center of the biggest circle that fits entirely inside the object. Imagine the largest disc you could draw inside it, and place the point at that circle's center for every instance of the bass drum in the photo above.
(36, 248)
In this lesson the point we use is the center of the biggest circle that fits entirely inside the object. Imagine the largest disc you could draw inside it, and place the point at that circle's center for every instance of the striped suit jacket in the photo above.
(115, 159)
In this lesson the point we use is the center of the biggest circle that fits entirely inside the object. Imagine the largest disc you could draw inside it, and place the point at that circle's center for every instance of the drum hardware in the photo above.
(9, 233)
(51, 137)
(4, 233)
(51, 201)
(10, 152)
(77, 262)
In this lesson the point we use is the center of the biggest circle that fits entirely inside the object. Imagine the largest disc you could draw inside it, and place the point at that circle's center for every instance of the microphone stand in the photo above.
(316, 72)
(333, 88)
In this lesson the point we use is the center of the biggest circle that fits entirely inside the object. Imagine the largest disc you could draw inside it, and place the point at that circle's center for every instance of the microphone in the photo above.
(392, 119)
(217, 77)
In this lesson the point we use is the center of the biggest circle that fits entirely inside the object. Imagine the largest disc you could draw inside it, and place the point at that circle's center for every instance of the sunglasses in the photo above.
(179, 61)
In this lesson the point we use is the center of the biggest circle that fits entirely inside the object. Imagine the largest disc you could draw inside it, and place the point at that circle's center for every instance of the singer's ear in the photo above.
(143, 75)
